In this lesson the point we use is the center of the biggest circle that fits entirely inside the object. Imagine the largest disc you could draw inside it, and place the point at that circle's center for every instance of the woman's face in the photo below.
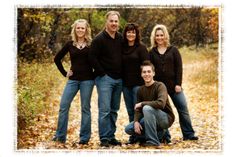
(159, 38)
(80, 29)
(131, 35)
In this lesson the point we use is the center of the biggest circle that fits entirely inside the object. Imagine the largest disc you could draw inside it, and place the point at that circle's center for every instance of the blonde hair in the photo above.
(88, 38)
(165, 32)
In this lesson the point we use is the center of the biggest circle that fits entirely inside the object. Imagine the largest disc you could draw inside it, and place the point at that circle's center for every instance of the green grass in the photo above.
(35, 84)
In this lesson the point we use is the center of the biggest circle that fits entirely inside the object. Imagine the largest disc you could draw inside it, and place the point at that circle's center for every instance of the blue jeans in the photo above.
(109, 94)
(71, 89)
(154, 122)
(180, 103)
(130, 97)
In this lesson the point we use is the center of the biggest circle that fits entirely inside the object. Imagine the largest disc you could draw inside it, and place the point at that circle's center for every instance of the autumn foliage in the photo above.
(41, 32)
(40, 85)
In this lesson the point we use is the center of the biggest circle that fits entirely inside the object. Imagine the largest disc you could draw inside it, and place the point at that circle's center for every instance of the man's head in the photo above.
(112, 21)
(147, 71)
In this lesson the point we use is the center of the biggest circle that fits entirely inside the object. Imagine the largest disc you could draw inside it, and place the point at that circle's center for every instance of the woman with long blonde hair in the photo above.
(168, 68)
(80, 77)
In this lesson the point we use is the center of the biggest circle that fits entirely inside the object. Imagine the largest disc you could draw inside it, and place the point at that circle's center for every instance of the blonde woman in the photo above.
(80, 77)
(168, 64)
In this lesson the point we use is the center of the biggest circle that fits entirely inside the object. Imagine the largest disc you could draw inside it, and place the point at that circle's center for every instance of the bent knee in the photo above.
(148, 108)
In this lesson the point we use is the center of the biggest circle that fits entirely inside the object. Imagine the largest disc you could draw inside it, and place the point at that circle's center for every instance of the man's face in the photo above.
(147, 74)
(112, 24)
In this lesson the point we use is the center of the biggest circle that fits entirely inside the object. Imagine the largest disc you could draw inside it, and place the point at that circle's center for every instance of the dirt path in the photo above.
(203, 107)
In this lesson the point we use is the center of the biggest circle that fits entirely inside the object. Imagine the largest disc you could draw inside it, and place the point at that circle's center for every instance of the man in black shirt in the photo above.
(105, 56)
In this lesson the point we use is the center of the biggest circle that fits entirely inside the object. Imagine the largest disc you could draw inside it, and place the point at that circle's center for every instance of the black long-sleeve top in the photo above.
(168, 67)
(106, 55)
(80, 66)
(155, 96)
(132, 58)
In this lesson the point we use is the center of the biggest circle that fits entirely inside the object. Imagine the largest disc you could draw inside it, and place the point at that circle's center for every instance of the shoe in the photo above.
(166, 141)
(104, 143)
(56, 139)
(193, 138)
(115, 142)
(132, 140)
(151, 145)
(83, 142)
(141, 141)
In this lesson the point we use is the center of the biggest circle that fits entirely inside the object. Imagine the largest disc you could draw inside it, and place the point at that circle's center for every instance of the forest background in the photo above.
(41, 33)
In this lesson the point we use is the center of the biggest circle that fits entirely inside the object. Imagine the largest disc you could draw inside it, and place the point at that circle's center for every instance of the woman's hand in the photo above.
(137, 128)
(69, 73)
(178, 89)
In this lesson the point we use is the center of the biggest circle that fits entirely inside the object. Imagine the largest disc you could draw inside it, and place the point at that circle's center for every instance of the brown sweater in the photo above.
(155, 96)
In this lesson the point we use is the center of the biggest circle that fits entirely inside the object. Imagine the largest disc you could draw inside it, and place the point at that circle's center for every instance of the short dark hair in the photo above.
(147, 63)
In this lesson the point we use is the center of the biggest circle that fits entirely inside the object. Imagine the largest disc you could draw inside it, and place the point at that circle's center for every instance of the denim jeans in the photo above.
(180, 103)
(130, 97)
(109, 94)
(154, 122)
(71, 89)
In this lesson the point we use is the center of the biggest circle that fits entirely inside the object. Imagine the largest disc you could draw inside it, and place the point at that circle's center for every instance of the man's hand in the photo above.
(137, 128)
(138, 106)
(178, 88)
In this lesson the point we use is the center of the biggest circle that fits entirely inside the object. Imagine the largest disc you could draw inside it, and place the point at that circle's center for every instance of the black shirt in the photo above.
(80, 66)
(132, 58)
(168, 67)
(106, 55)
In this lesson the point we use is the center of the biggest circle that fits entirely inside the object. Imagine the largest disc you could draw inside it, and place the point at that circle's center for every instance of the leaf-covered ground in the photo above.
(200, 85)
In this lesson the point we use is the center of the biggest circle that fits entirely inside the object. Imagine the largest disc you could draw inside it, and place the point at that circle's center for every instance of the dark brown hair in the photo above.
(147, 63)
(131, 27)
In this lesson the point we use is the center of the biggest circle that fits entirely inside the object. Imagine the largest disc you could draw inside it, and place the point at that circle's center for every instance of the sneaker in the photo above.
(115, 142)
(104, 143)
(193, 138)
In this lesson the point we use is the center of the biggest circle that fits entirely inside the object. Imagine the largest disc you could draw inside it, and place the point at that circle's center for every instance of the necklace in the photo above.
(80, 45)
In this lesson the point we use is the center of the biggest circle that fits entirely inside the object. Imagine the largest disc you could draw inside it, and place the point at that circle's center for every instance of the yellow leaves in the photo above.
(202, 98)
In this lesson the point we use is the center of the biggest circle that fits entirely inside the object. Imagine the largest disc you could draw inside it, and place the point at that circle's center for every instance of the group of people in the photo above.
(118, 63)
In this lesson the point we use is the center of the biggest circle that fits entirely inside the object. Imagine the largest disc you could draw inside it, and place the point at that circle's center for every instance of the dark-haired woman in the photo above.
(134, 54)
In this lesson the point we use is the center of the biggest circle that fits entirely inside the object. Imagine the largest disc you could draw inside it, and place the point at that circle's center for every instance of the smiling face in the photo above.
(160, 38)
(112, 23)
(131, 36)
(80, 29)
(147, 74)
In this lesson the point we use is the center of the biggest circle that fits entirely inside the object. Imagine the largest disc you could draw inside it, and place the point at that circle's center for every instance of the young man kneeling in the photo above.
(153, 113)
